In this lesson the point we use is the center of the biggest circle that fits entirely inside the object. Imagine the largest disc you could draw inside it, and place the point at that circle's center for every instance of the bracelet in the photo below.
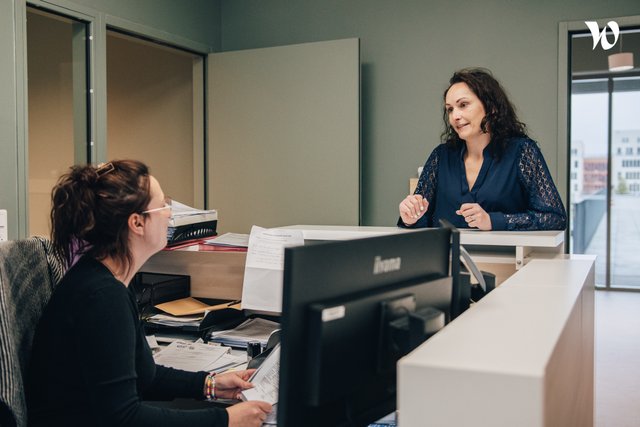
(210, 386)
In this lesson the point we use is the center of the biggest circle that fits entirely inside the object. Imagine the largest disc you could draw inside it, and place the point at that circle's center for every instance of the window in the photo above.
(604, 122)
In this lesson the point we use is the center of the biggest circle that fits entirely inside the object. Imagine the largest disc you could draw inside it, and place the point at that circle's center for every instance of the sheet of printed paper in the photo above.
(193, 357)
(262, 284)
(265, 380)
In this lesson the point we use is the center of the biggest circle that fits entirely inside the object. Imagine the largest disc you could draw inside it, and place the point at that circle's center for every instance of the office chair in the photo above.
(29, 270)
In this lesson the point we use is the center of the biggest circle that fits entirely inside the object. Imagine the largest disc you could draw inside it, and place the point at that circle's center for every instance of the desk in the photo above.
(213, 274)
(522, 356)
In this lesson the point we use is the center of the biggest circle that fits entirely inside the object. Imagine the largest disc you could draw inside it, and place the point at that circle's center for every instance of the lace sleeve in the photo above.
(545, 211)
(426, 187)
(429, 178)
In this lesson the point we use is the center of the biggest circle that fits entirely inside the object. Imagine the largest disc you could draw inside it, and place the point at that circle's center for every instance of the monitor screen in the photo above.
(351, 309)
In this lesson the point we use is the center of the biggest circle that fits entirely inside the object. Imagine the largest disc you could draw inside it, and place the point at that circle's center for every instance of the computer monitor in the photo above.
(351, 309)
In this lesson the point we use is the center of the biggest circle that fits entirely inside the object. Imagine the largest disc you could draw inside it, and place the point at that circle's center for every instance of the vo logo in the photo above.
(602, 36)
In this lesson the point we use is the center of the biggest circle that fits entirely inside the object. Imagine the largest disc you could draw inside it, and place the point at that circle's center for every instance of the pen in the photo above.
(233, 302)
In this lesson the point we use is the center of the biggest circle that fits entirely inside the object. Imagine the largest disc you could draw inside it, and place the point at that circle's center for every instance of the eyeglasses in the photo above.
(167, 205)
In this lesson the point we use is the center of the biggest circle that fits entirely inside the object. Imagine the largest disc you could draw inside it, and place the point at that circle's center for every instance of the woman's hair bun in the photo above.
(84, 174)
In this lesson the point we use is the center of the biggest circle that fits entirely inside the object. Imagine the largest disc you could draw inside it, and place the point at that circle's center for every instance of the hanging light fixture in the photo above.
(621, 61)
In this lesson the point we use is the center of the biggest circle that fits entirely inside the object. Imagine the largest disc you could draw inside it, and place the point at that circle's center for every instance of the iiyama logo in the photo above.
(386, 265)
(601, 37)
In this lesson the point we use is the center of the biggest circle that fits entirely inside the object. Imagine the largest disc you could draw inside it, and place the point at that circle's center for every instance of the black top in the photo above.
(91, 364)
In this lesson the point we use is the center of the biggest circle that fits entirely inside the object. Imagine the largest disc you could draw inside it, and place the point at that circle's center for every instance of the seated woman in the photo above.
(487, 174)
(91, 364)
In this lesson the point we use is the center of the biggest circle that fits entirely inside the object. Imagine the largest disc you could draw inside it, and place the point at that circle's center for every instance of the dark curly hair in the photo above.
(91, 207)
(500, 120)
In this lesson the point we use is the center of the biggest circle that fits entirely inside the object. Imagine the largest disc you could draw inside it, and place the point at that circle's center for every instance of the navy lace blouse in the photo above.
(516, 190)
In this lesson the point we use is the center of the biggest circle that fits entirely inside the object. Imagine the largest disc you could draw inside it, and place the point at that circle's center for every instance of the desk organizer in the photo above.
(199, 230)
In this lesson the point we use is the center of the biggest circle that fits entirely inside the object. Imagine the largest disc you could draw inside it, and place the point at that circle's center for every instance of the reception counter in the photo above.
(522, 356)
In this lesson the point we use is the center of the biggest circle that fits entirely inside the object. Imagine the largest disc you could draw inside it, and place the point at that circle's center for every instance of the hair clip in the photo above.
(104, 168)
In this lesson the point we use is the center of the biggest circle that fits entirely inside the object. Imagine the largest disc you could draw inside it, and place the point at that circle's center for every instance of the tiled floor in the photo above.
(617, 359)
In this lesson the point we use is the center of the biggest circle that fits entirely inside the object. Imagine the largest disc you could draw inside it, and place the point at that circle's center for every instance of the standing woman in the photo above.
(487, 174)
(91, 364)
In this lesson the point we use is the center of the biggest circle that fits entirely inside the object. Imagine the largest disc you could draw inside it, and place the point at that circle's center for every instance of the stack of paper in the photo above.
(188, 223)
(231, 240)
(186, 313)
(251, 330)
(175, 321)
(182, 214)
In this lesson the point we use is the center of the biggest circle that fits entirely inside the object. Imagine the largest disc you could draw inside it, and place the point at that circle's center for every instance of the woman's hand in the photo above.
(475, 216)
(248, 414)
(230, 384)
(412, 208)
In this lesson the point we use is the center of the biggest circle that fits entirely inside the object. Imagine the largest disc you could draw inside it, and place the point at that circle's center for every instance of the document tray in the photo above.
(199, 230)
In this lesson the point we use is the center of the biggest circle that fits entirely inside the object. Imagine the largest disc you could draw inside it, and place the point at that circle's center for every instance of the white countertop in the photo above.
(467, 237)
(512, 238)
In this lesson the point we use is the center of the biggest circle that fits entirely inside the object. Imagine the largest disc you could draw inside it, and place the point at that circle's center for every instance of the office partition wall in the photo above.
(284, 135)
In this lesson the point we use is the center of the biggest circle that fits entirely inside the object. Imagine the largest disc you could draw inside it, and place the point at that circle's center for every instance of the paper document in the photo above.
(266, 246)
(193, 357)
(153, 342)
(230, 239)
(265, 380)
(262, 284)
(228, 361)
(272, 417)
(388, 421)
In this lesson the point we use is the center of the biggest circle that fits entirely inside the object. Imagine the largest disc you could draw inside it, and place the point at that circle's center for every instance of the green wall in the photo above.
(409, 50)
(196, 20)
